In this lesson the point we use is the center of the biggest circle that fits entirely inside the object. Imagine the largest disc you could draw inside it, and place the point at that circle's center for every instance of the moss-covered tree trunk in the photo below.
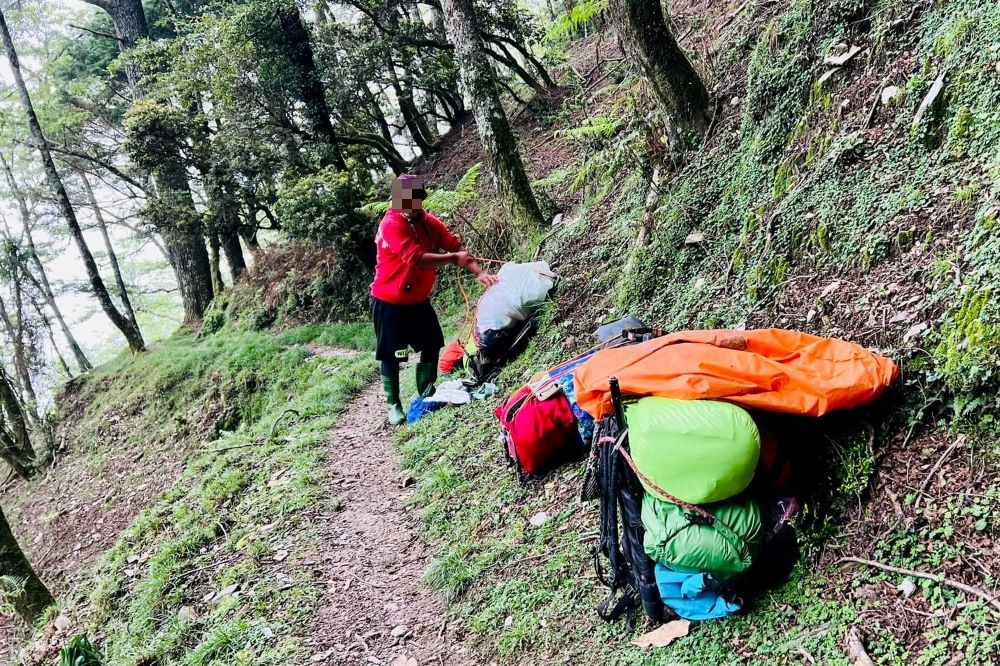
(495, 132)
(15, 443)
(122, 323)
(679, 90)
(34, 598)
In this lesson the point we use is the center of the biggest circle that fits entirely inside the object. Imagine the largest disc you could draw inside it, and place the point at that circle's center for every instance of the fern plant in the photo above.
(80, 652)
(441, 202)
(595, 128)
(570, 22)
(12, 586)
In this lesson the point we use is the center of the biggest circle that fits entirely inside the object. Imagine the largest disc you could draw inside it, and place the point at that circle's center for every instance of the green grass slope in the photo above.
(836, 207)
(214, 568)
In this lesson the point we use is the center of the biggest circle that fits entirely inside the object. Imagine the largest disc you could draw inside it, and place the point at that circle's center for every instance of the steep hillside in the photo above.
(183, 520)
(855, 200)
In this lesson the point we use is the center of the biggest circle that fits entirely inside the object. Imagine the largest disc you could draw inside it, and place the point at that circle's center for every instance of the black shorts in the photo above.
(400, 326)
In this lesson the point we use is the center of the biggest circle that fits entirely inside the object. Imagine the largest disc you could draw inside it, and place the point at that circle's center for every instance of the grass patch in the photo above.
(193, 580)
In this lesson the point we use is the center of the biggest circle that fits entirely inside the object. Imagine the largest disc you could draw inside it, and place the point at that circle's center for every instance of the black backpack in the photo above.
(630, 573)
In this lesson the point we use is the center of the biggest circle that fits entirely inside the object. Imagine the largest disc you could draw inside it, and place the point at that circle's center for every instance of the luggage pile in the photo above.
(696, 495)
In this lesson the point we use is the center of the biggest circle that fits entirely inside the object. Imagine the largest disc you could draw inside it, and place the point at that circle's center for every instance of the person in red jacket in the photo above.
(411, 245)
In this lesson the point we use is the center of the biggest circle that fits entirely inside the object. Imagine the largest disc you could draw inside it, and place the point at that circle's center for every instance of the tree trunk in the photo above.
(502, 153)
(529, 58)
(129, 19)
(250, 235)
(112, 257)
(122, 323)
(234, 253)
(508, 61)
(213, 257)
(679, 90)
(43, 280)
(377, 113)
(16, 334)
(408, 111)
(224, 208)
(299, 49)
(35, 598)
(52, 338)
(183, 237)
(15, 444)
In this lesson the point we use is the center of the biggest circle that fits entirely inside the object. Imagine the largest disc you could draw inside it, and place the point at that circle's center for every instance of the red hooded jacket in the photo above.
(399, 245)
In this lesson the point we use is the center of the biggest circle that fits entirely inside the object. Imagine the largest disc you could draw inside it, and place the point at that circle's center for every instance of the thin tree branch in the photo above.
(68, 152)
(97, 33)
(103, 4)
(991, 599)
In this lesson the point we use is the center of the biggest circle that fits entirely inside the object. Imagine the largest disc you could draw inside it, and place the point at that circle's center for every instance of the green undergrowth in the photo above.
(212, 571)
(799, 184)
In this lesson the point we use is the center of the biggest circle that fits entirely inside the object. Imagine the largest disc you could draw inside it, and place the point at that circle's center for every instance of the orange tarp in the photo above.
(772, 370)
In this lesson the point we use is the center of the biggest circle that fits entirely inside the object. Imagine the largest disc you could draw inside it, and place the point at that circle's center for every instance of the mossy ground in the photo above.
(822, 209)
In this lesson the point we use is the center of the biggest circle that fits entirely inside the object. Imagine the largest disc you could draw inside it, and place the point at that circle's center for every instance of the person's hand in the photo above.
(462, 259)
(487, 280)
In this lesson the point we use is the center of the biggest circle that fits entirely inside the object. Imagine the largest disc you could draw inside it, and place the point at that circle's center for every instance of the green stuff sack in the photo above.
(699, 451)
(724, 549)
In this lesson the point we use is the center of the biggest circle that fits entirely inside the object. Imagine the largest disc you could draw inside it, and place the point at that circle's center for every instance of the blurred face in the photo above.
(407, 201)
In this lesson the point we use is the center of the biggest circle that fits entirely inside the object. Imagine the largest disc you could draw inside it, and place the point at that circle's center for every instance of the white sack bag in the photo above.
(521, 289)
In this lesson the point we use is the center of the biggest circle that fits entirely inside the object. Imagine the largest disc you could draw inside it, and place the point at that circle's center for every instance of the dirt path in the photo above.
(375, 610)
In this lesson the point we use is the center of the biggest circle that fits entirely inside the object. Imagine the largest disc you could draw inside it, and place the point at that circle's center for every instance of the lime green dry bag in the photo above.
(699, 451)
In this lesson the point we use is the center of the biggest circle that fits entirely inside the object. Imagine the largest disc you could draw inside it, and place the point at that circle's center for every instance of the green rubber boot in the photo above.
(426, 376)
(391, 387)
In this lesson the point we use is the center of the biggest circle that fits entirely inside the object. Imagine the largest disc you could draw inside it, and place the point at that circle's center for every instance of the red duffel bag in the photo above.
(539, 435)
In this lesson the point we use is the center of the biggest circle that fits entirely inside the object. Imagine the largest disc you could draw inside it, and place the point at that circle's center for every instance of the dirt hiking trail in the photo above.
(375, 608)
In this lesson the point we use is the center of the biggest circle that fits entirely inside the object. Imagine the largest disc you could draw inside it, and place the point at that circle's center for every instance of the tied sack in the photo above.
(521, 289)
(685, 541)
(539, 435)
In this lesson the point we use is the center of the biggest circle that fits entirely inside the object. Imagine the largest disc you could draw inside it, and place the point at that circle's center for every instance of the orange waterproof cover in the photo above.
(771, 369)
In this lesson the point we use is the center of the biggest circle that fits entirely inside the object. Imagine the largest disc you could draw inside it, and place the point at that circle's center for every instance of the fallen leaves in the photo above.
(663, 635)
(538, 519)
